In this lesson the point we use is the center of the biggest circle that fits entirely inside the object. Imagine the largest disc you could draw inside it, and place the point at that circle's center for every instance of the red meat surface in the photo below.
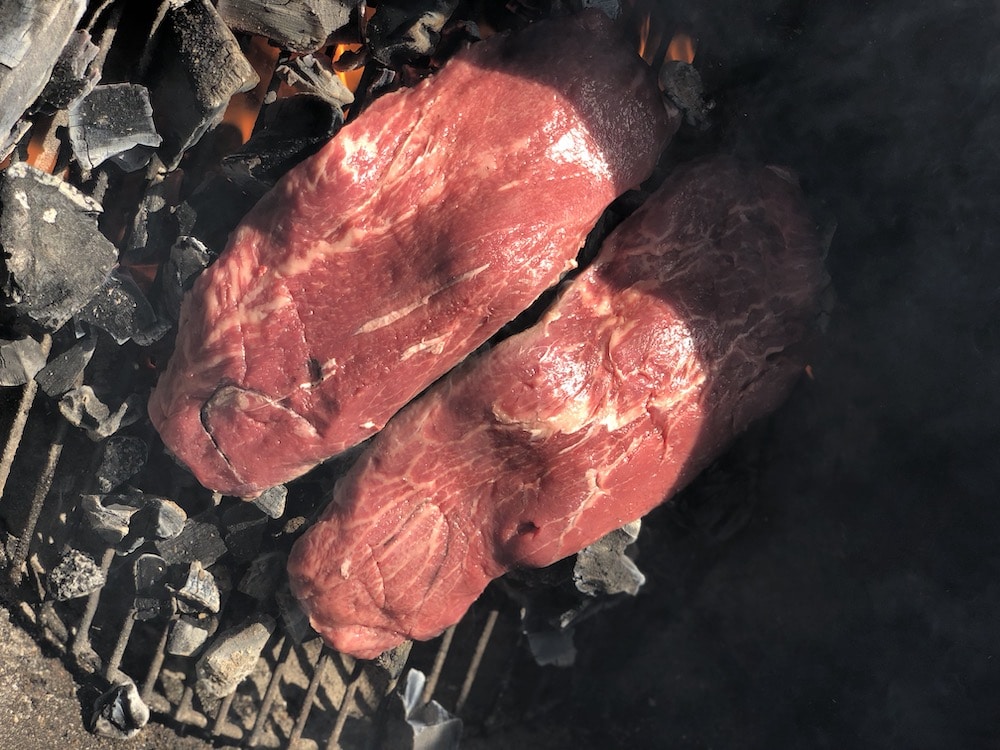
(684, 330)
(375, 266)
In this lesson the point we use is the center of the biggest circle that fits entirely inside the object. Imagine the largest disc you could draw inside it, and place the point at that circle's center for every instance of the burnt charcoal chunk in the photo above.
(82, 408)
(262, 577)
(199, 592)
(296, 25)
(57, 258)
(188, 258)
(188, 635)
(316, 76)
(120, 308)
(195, 70)
(231, 658)
(20, 361)
(32, 34)
(603, 569)
(155, 226)
(294, 128)
(412, 724)
(198, 540)
(114, 121)
(109, 522)
(123, 456)
(272, 501)
(74, 76)
(682, 84)
(64, 371)
(245, 526)
(119, 713)
(74, 576)
(217, 205)
(400, 32)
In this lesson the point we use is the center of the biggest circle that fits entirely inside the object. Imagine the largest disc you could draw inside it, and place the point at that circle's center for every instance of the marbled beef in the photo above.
(683, 330)
(378, 264)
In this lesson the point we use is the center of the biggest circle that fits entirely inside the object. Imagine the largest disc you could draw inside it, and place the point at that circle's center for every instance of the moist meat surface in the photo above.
(374, 267)
(681, 333)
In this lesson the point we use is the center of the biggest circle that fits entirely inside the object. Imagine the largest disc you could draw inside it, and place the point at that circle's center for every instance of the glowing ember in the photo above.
(350, 78)
(681, 47)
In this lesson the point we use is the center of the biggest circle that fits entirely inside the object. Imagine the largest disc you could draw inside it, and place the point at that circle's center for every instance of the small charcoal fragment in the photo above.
(400, 32)
(199, 592)
(316, 76)
(296, 25)
(682, 84)
(195, 70)
(198, 540)
(120, 308)
(57, 257)
(188, 258)
(74, 76)
(74, 576)
(109, 522)
(414, 725)
(161, 518)
(188, 635)
(151, 597)
(263, 576)
(32, 35)
(294, 621)
(603, 568)
(119, 713)
(231, 658)
(123, 456)
(272, 501)
(63, 372)
(114, 121)
(294, 128)
(244, 525)
(552, 647)
(20, 360)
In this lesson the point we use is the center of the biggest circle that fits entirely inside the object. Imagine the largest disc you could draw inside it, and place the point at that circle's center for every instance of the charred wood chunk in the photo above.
(231, 658)
(294, 129)
(123, 456)
(20, 360)
(681, 83)
(198, 540)
(188, 258)
(120, 308)
(198, 592)
(152, 600)
(401, 32)
(603, 568)
(76, 575)
(272, 501)
(115, 122)
(263, 576)
(109, 522)
(82, 408)
(411, 723)
(62, 373)
(217, 206)
(189, 634)
(119, 713)
(32, 35)
(316, 76)
(155, 226)
(244, 530)
(57, 258)
(296, 25)
(196, 68)
(74, 75)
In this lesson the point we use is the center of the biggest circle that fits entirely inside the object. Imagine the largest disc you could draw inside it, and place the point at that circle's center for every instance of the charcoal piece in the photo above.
(64, 371)
(231, 658)
(74, 75)
(120, 308)
(414, 725)
(82, 408)
(195, 70)
(119, 713)
(188, 635)
(296, 25)
(188, 258)
(123, 456)
(552, 647)
(400, 32)
(263, 576)
(198, 592)
(245, 526)
(272, 501)
(294, 128)
(114, 121)
(314, 75)
(681, 83)
(75, 575)
(294, 620)
(20, 360)
(152, 600)
(109, 522)
(57, 258)
(602, 569)
(160, 518)
(155, 225)
(217, 204)
(32, 34)
(198, 540)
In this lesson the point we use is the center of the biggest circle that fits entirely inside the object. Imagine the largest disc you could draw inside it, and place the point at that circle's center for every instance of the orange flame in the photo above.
(350, 78)
(681, 47)
(243, 108)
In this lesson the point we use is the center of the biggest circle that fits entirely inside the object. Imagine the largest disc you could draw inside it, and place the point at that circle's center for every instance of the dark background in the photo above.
(847, 594)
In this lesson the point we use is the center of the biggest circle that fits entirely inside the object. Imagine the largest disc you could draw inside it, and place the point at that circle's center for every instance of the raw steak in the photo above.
(377, 265)
(683, 330)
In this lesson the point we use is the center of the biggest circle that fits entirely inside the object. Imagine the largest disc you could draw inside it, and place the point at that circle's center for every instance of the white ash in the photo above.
(76, 575)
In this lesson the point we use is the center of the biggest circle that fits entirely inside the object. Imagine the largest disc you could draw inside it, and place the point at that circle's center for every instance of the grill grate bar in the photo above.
(477, 659)
(442, 653)
(111, 667)
(271, 692)
(20, 420)
(352, 688)
(81, 648)
(318, 671)
(220, 718)
(156, 664)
